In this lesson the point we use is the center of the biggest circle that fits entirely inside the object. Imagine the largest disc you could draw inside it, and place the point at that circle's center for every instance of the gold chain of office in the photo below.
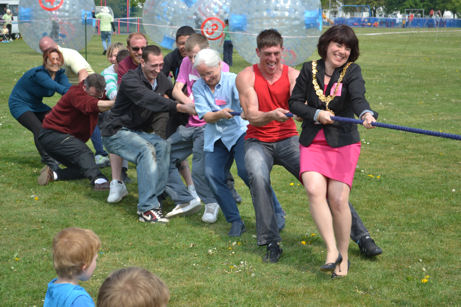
(319, 92)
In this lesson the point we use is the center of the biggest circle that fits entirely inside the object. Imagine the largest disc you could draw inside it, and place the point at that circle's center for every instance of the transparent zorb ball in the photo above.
(67, 22)
(299, 22)
(162, 18)
(209, 16)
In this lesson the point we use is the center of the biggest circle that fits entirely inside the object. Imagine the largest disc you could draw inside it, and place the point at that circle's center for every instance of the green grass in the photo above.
(412, 209)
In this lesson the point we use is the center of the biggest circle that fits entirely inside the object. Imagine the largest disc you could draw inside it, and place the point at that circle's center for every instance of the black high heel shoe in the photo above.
(330, 267)
(334, 275)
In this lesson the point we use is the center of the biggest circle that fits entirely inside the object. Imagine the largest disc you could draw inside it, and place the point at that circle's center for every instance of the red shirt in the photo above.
(271, 97)
(124, 66)
(76, 113)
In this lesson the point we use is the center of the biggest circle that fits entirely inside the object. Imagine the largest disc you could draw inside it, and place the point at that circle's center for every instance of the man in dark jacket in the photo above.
(127, 130)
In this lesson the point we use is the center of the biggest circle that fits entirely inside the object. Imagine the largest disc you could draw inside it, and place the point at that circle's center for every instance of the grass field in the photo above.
(407, 190)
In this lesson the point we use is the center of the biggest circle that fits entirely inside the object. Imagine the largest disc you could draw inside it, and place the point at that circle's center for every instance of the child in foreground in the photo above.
(75, 251)
(133, 287)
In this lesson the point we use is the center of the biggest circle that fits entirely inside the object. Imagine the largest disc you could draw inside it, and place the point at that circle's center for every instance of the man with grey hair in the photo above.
(216, 98)
(187, 140)
(68, 126)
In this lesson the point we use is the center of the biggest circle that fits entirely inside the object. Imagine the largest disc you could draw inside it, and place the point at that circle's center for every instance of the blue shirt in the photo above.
(225, 96)
(36, 83)
(65, 295)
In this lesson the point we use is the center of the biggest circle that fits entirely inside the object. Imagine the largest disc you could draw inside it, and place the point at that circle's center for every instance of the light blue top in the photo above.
(36, 83)
(64, 295)
(225, 96)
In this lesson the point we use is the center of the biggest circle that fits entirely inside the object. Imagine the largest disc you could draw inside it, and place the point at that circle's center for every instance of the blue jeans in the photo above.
(151, 154)
(259, 160)
(228, 48)
(97, 142)
(106, 39)
(217, 166)
(184, 142)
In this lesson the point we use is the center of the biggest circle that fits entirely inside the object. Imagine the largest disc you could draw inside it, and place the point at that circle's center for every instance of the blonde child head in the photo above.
(133, 287)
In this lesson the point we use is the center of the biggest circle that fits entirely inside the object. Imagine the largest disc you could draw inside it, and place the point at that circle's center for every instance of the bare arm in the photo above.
(104, 105)
(212, 117)
(249, 100)
(186, 108)
(82, 74)
(179, 95)
(292, 75)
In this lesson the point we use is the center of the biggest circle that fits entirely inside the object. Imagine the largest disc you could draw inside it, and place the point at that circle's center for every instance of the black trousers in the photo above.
(71, 152)
(33, 122)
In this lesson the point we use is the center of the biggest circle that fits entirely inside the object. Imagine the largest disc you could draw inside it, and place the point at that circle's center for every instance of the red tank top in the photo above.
(270, 97)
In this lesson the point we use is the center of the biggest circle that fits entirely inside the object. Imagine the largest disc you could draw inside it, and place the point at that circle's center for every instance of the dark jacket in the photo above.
(352, 101)
(172, 62)
(137, 104)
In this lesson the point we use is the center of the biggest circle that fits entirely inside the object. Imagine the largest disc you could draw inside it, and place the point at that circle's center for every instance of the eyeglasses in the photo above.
(136, 49)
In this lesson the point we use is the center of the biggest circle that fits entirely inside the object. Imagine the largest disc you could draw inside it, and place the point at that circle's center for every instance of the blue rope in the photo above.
(396, 127)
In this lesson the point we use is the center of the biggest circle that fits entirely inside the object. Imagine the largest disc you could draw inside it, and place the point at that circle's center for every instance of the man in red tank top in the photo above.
(272, 138)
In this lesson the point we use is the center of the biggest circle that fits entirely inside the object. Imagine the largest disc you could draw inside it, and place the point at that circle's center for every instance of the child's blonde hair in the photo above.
(133, 287)
(115, 46)
(74, 248)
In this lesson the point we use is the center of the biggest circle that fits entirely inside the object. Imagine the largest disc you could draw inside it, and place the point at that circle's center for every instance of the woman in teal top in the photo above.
(26, 103)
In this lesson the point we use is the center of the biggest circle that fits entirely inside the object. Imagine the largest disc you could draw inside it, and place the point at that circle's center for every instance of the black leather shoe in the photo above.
(368, 247)
(237, 229)
(273, 253)
(330, 267)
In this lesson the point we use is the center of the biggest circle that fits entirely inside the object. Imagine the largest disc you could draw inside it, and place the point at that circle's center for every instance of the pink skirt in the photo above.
(334, 163)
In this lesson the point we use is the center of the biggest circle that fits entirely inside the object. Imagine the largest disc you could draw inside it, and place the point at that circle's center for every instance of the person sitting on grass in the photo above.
(133, 287)
(75, 251)
(68, 127)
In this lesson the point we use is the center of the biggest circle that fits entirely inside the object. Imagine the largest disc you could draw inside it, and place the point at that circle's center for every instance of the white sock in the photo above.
(100, 180)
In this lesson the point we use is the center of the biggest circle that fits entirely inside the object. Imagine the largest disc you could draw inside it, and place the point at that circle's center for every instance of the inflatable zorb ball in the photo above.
(162, 18)
(64, 21)
(209, 17)
(299, 22)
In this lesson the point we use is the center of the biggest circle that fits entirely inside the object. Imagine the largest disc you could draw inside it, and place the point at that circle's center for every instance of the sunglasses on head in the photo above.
(136, 49)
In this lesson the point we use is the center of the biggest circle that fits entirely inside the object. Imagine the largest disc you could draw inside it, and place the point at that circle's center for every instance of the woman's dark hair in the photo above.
(341, 34)
(47, 53)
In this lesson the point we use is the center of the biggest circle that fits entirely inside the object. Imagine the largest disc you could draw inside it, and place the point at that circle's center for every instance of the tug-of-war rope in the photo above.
(397, 127)
(383, 125)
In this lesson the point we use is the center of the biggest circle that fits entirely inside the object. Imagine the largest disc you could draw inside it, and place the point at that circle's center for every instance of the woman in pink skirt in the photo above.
(329, 150)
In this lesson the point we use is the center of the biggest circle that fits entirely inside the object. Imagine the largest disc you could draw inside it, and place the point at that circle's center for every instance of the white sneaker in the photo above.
(101, 161)
(193, 192)
(185, 209)
(117, 191)
(152, 216)
(210, 215)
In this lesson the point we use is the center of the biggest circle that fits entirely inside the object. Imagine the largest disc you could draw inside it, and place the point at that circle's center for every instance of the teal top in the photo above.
(226, 34)
(36, 83)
